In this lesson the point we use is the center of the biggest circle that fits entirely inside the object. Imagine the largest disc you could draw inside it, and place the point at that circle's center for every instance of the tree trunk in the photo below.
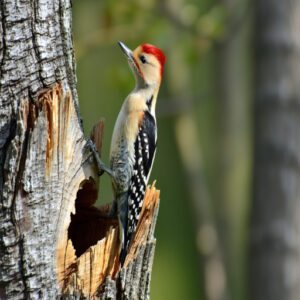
(53, 241)
(275, 235)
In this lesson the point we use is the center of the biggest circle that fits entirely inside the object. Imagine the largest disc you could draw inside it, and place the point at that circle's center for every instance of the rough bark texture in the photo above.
(275, 236)
(36, 51)
(52, 239)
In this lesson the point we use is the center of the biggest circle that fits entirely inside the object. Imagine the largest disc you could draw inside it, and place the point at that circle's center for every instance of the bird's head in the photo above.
(147, 63)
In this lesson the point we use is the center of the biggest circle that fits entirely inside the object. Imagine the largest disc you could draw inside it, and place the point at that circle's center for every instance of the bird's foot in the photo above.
(100, 164)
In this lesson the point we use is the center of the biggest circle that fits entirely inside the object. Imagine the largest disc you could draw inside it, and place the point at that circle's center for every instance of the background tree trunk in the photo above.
(53, 241)
(275, 236)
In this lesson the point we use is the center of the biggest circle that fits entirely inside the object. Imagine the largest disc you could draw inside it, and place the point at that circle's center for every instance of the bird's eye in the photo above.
(143, 59)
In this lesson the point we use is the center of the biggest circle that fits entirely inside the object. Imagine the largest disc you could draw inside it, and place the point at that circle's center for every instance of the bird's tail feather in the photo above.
(122, 202)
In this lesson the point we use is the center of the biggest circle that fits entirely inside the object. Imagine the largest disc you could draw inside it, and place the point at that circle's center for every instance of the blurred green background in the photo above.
(203, 162)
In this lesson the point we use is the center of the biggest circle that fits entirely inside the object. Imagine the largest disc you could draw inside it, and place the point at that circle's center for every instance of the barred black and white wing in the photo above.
(144, 151)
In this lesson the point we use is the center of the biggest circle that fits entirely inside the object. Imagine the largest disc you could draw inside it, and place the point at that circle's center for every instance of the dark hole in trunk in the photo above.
(90, 223)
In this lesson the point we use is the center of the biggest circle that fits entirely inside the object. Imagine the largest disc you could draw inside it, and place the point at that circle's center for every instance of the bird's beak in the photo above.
(126, 50)
(132, 62)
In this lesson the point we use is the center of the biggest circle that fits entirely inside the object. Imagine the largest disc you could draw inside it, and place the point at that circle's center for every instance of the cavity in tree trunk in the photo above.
(53, 240)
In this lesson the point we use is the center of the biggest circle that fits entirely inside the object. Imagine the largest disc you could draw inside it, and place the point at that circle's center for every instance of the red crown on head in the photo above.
(150, 49)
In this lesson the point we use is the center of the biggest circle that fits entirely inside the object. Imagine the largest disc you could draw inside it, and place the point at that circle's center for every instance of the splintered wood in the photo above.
(87, 241)
(150, 205)
(86, 274)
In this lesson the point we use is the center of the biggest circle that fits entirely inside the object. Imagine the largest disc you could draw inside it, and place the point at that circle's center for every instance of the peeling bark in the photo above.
(53, 241)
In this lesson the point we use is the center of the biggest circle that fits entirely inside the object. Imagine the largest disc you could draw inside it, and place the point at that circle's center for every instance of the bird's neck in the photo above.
(149, 94)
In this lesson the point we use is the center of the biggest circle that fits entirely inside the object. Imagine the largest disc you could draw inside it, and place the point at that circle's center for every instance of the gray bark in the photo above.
(35, 52)
(275, 233)
(47, 173)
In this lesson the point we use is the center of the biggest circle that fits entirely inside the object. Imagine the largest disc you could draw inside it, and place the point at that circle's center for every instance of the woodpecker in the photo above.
(133, 143)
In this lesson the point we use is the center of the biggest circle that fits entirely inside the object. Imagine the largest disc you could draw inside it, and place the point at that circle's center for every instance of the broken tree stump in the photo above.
(54, 241)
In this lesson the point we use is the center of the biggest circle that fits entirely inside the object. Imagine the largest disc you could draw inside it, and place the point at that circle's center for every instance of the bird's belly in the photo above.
(122, 168)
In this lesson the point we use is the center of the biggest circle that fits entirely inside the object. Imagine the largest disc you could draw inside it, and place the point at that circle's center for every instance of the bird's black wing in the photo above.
(144, 150)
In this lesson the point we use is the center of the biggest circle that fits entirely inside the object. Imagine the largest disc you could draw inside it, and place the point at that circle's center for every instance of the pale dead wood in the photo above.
(89, 273)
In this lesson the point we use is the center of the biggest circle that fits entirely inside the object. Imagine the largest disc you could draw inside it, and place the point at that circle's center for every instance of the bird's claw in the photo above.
(91, 145)
(100, 164)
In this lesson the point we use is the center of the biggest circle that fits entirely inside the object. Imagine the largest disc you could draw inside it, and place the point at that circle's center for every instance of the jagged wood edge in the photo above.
(133, 280)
